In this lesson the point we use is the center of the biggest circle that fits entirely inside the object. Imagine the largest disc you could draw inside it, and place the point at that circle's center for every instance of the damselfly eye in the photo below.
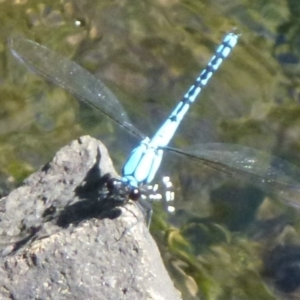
(112, 183)
(135, 194)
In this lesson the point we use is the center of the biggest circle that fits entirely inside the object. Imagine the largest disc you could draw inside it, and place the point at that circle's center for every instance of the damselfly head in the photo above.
(121, 192)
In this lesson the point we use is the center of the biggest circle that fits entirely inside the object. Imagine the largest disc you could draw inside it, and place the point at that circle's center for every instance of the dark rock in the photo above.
(61, 240)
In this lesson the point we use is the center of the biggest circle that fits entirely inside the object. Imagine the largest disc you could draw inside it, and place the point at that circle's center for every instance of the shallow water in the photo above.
(149, 53)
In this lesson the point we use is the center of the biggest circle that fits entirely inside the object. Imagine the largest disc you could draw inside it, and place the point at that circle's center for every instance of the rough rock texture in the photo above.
(57, 241)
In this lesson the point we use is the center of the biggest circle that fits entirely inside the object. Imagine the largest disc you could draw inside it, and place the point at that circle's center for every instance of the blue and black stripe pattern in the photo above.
(145, 159)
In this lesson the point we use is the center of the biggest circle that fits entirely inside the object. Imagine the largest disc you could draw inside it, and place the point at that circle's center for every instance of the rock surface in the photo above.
(57, 241)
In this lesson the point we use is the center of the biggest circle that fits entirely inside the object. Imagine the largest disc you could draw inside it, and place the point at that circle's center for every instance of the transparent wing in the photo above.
(73, 78)
(270, 173)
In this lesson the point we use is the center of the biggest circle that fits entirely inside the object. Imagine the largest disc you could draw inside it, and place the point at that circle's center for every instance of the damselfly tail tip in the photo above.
(235, 31)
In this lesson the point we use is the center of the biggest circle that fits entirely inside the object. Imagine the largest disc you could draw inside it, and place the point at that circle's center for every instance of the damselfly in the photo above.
(144, 161)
